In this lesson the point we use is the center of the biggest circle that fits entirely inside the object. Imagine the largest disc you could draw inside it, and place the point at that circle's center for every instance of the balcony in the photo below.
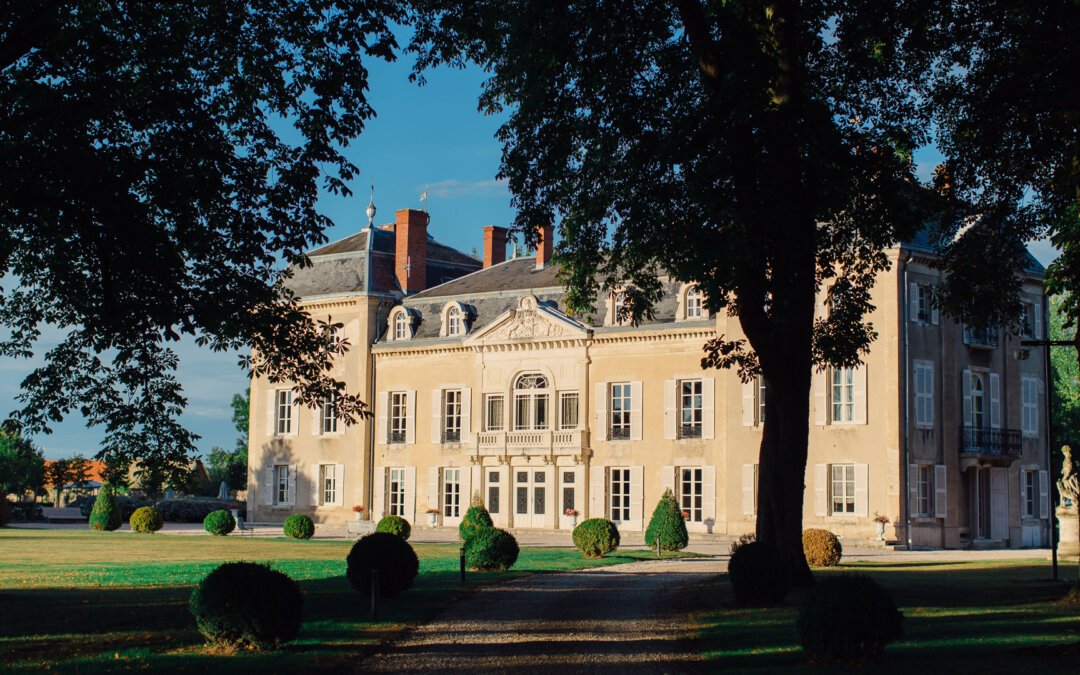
(980, 338)
(529, 442)
(993, 444)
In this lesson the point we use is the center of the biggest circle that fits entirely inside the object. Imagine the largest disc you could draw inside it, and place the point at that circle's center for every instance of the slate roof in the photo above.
(923, 241)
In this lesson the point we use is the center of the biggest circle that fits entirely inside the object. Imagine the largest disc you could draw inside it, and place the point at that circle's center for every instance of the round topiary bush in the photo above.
(146, 519)
(490, 549)
(395, 525)
(299, 526)
(219, 522)
(391, 555)
(596, 537)
(821, 548)
(475, 518)
(5, 511)
(667, 525)
(743, 540)
(758, 574)
(847, 618)
(106, 514)
(243, 604)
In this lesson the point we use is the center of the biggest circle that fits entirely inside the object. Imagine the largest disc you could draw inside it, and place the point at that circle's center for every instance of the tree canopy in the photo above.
(22, 466)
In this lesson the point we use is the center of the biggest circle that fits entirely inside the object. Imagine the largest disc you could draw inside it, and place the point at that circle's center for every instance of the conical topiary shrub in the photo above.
(475, 518)
(106, 514)
(668, 525)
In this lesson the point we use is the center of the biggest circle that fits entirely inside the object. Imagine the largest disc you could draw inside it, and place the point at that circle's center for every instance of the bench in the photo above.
(244, 527)
(358, 528)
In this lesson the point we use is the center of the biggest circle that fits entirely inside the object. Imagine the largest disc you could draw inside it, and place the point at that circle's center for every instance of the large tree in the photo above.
(760, 149)
(22, 466)
(161, 161)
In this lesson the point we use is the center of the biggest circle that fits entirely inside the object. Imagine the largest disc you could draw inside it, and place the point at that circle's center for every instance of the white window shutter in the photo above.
(821, 403)
(913, 301)
(294, 417)
(749, 407)
(995, 400)
(436, 416)
(862, 490)
(466, 415)
(933, 313)
(821, 489)
(913, 489)
(596, 492)
(1044, 494)
(382, 403)
(670, 412)
(339, 488)
(941, 502)
(1038, 321)
(748, 505)
(466, 489)
(1023, 490)
(635, 411)
(637, 496)
(313, 483)
(928, 382)
(378, 493)
(860, 395)
(708, 407)
(316, 420)
(267, 491)
(410, 494)
(708, 494)
(271, 408)
(292, 485)
(965, 395)
(600, 427)
(667, 479)
(410, 417)
(433, 500)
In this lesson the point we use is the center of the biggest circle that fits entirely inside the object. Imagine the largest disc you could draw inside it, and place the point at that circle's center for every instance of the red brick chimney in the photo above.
(494, 245)
(544, 238)
(410, 260)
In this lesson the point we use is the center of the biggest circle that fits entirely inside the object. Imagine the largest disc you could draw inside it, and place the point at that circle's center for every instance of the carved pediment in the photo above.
(529, 321)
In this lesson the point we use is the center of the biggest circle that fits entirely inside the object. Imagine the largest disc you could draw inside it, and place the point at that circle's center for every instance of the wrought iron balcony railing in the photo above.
(990, 442)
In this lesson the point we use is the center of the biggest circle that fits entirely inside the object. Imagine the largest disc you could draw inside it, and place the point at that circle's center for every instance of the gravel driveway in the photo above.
(631, 618)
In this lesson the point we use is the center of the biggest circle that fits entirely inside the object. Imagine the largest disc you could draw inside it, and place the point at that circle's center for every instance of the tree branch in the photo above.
(28, 33)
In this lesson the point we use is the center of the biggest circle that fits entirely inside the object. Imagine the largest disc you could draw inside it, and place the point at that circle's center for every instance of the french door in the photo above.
(531, 492)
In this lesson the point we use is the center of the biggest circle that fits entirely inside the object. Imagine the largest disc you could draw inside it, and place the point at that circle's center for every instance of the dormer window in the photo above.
(621, 317)
(694, 303)
(400, 324)
(454, 320)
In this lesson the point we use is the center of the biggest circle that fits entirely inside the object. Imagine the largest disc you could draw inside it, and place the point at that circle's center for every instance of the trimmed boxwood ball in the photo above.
(758, 575)
(146, 519)
(668, 525)
(299, 526)
(243, 604)
(490, 549)
(395, 525)
(596, 537)
(219, 522)
(391, 555)
(821, 548)
(106, 514)
(847, 618)
(475, 518)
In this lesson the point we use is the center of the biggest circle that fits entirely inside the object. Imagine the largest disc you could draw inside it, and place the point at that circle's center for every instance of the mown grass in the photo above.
(88, 602)
(978, 617)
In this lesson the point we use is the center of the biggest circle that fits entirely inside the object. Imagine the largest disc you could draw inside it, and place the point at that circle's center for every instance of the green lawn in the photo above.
(985, 617)
(83, 601)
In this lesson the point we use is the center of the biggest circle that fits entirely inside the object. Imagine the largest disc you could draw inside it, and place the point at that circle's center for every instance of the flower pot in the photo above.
(880, 531)
(573, 522)
(359, 515)
(433, 519)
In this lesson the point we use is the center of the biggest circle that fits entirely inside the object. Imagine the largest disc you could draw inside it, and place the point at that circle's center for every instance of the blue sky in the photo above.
(430, 136)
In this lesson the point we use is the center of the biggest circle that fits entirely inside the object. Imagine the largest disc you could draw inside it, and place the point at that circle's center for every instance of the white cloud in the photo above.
(456, 189)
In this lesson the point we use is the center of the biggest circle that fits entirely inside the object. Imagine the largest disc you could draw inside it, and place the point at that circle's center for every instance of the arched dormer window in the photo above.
(616, 304)
(400, 324)
(454, 320)
(532, 398)
(691, 304)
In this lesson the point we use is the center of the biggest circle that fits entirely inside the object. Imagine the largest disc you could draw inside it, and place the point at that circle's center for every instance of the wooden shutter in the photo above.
(267, 491)
(913, 301)
(410, 494)
(671, 394)
(928, 402)
(596, 492)
(667, 479)
(292, 485)
(965, 395)
(708, 407)
(433, 501)
(382, 404)
(600, 428)
(862, 490)
(1038, 321)
(1044, 494)
(749, 403)
(637, 497)
(436, 416)
(933, 312)
(941, 503)
(748, 505)
(271, 407)
(821, 489)
(378, 493)
(410, 417)
(860, 385)
(708, 494)
(995, 400)
(913, 489)
(466, 415)
(294, 417)
(635, 411)
(821, 402)
(339, 478)
(313, 483)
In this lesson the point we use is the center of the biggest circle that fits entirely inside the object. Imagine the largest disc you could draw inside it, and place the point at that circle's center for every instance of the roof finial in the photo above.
(371, 208)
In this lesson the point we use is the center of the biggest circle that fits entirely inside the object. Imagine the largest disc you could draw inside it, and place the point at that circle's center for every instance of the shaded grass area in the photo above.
(91, 602)
(979, 617)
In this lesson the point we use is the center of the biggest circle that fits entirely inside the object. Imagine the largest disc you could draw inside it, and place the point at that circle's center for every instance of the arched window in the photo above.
(620, 318)
(531, 402)
(401, 325)
(455, 324)
(694, 303)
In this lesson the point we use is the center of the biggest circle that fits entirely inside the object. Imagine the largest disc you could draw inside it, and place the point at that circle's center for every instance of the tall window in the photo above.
(328, 480)
(690, 492)
(978, 398)
(455, 323)
(1031, 493)
(493, 412)
(283, 411)
(690, 409)
(568, 415)
(1030, 406)
(397, 492)
(281, 484)
(843, 488)
(694, 303)
(493, 492)
(760, 391)
(923, 300)
(924, 394)
(328, 416)
(843, 394)
(568, 491)
(401, 326)
(399, 419)
(620, 411)
(621, 317)
(925, 486)
(620, 495)
(1027, 321)
(530, 402)
(451, 415)
(451, 493)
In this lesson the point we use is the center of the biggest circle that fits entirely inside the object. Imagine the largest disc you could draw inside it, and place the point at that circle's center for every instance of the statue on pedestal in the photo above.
(1069, 484)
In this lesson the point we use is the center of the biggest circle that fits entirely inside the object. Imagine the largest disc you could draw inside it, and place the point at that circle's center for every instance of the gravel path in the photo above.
(631, 618)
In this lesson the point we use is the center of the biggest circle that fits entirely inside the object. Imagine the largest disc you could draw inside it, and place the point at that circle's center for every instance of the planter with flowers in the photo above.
(880, 522)
(572, 514)
(433, 517)
(359, 511)
(686, 515)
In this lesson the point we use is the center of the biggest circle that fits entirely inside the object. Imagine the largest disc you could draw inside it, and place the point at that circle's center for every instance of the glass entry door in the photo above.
(530, 497)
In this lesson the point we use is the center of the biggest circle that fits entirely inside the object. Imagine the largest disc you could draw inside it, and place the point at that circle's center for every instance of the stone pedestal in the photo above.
(1069, 531)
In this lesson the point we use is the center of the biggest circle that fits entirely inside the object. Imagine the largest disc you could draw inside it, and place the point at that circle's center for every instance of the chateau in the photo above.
(481, 382)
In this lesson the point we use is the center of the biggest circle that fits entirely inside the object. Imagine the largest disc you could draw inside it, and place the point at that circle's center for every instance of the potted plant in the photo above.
(433, 517)
(880, 522)
(359, 511)
(572, 514)
(686, 515)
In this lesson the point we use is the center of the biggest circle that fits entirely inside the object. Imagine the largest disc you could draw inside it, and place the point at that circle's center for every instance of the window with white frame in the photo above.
(619, 490)
(328, 481)
(451, 416)
(494, 419)
(1029, 407)
(695, 303)
(1027, 321)
(568, 410)
(925, 490)
(759, 398)
(843, 394)
(842, 488)
(451, 493)
(281, 484)
(923, 375)
(283, 411)
(401, 325)
(328, 416)
(397, 492)
(690, 406)
(1031, 493)
(620, 411)
(923, 302)
(620, 313)
(455, 322)
(691, 492)
(568, 502)
(531, 402)
(493, 492)
(399, 416)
